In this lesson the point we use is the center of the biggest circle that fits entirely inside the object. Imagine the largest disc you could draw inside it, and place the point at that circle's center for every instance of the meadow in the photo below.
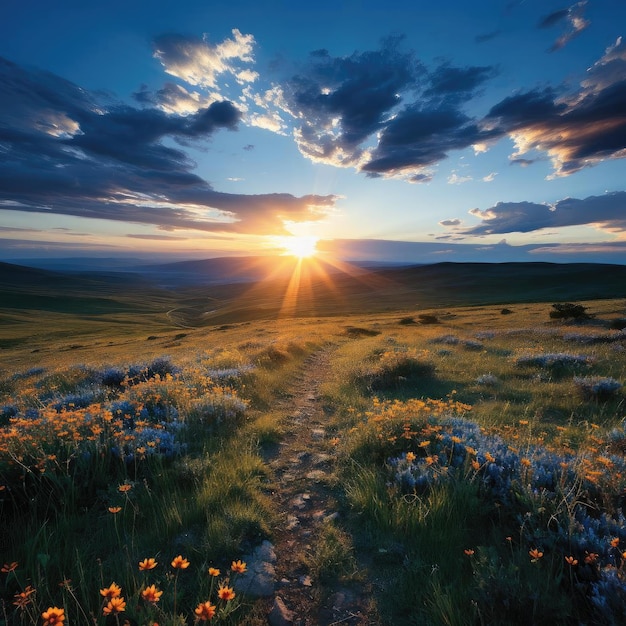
(477, 459)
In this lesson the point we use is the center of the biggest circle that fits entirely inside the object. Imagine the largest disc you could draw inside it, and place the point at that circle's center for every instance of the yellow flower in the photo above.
(238, 566)
(151, 594)
(489, 458)
(53, 616)
(570, 560)
(115, 605)
(523, 422)
(204, 611)
(535, 554)
(525, 462)
(147, 564)
(114, 591)
(410, 457)
(424, 444)
(475, 465)
(115, 509)
(124, 488)
(615, 542)
(213, 571)
(225, 593)
(180, 563)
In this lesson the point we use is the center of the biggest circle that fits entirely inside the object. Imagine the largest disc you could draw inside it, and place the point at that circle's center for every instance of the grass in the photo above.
(175, 442)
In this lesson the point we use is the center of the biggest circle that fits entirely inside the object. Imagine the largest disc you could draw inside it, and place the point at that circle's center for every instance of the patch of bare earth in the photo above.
(302, 466)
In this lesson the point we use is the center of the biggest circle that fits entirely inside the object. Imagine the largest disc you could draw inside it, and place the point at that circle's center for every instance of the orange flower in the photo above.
(147, 564)
(115, 509)
(151, 594)
(115, 605)
(591, 557)
(22, 599)
(489, 458)
(9, 567)
(469, 552)
(570, 560)
(114, 591)
(475, 465)
(535, 554)
(124, 488)
(225, 593)
(213, 571)
(410, 457)
(615, 542)
(53, 616)
(180, 563)
(238, 566)
(525, 462)
(205, 611)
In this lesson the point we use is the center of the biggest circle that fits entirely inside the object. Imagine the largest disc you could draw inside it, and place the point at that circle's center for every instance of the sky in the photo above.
(399, 131)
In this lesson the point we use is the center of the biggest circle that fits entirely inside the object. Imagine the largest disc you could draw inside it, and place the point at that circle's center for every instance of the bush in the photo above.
(394, 370)
(566, 310)
(597, 387)
(425, 318)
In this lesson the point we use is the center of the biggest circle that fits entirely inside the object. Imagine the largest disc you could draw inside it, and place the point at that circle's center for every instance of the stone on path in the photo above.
(280, 615)
(258, 579)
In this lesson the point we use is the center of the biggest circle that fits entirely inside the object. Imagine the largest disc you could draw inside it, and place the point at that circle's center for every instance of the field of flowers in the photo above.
(125, 496)
(500, 501)
(480, 463)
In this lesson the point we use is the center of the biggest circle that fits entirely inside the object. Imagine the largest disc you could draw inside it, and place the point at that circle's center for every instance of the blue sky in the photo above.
(416, 131)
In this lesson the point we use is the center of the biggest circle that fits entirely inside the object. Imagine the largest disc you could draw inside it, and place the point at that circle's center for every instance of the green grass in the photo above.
(209, 502)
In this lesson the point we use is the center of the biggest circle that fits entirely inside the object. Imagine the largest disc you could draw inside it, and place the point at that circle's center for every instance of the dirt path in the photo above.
(302, 466)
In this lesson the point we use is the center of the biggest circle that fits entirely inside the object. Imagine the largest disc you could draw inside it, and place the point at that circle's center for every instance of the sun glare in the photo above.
(301, 247)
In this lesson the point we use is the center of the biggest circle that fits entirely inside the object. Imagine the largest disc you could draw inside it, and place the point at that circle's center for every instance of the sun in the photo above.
(300, 247)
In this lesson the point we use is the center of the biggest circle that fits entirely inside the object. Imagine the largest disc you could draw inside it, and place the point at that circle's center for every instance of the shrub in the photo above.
(488, 380)
(394, 369)
(557, 362)
(407, 320)
(425, 318)
(566, 310)
(597, 387)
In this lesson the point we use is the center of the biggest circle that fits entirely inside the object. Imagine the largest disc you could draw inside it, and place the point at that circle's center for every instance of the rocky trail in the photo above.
(302, 466)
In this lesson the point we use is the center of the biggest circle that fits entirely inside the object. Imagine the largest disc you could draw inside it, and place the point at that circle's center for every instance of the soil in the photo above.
(302, 465)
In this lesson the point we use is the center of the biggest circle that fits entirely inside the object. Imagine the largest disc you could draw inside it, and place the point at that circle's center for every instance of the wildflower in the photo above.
(523, 422)
(115, 605)
(204, 611)
(124, 488)
(53, 616)
(475, 465)
(238, 566)
(525, 462)
(410, 457)
(114, 591)
(535, 554)
(213, 571)
(115, 509)
(424, 444)
(225, 593)
(456, 439)
(22, 599)
(470, 450)
(9, 567)
(489, 458)
(151, 594)
(469, 552)
(180, 563)
(147, 564)
(591, 557)
(614, 542)
(570, 560)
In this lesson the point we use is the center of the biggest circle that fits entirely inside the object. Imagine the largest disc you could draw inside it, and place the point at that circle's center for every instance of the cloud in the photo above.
(577, 130)
(66, 152)
(490, 177)
(572, 18)
(455, 179)
(450, 222)
(606, 212)
(487, 36)
(157, 237)
(198, 62)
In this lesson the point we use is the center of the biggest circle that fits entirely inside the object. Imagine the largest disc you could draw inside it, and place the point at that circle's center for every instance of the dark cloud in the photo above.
(553, 18)
(450, 222)
(607, 212)
(344, 103)
(487, 36)
(62, 151)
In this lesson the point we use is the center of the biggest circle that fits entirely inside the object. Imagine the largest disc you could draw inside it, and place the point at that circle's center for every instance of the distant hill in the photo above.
(228, 289)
